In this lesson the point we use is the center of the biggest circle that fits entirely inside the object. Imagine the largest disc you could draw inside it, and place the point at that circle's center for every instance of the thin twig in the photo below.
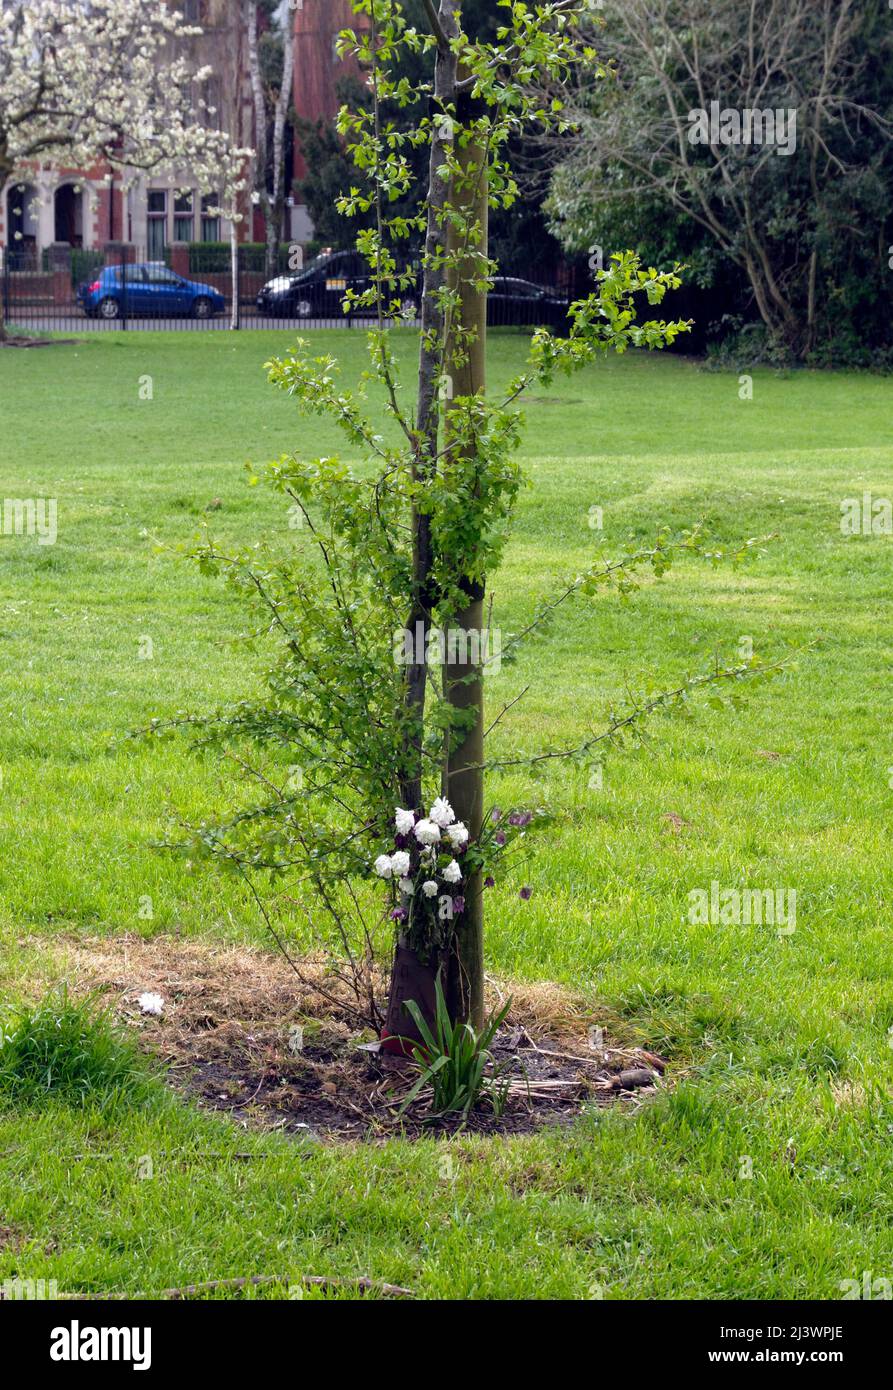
(311, 1281)
(505, 709)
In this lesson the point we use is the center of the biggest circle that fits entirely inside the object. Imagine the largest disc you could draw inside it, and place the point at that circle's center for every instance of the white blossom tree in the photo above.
(82, 83)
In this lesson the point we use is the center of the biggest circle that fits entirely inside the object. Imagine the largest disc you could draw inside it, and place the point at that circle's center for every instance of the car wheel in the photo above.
(201, 308)
(303, 308)
(409, 308)
(109, 308)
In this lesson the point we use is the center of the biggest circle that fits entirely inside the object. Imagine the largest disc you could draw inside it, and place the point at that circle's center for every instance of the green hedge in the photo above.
(85, 265)
(210, 257)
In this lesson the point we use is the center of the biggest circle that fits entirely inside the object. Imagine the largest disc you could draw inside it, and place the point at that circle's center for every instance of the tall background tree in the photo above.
(806, 233)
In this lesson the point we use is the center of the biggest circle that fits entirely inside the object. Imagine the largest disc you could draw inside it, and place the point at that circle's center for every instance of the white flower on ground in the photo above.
(427, 832)
(429, 888)
(400, 862)
(404, 821)
(383, 866)
(457, 835)
(442, 813)
(452, 873)
(150, 1003)
(407, 886)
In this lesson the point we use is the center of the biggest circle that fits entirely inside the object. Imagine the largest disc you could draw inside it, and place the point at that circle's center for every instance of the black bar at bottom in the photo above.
(160, 1338)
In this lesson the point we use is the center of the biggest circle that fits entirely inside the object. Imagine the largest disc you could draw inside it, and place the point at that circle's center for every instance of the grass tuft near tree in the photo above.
(69, 1049)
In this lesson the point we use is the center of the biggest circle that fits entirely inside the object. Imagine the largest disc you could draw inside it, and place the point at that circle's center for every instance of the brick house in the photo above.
(86, 209)
(317, 72)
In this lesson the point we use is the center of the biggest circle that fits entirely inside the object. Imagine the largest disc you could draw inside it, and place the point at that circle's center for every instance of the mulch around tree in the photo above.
(241, 1035)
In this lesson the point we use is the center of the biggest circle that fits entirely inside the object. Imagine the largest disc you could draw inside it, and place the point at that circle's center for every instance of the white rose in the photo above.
(400, 862)
(404, 821)
(442, 813)
(429, 888)
(407, 886)
(452, 873)
(427, 832)
(383, 866)
(457, 835)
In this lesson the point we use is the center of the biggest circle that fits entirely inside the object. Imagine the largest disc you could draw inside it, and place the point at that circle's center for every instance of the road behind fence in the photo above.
(197, 287)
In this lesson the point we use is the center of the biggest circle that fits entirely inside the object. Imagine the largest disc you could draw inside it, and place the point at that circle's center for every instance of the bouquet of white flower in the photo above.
(424, 867)
(431, 862)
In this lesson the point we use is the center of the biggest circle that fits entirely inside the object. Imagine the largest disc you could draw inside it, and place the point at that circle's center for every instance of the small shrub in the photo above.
(71, 1049)
(456, 1061)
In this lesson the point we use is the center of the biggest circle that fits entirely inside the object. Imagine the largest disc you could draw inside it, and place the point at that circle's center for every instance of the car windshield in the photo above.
(318, 262)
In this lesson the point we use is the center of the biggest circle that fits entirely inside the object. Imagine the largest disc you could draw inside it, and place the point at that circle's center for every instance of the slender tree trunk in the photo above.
(428, 416)
(269, 176)
(271, 254)
(234, 273)
(261, 159)
(412, 978)
(464, 678)
(276, 209)
(463, 962)
(5, 175)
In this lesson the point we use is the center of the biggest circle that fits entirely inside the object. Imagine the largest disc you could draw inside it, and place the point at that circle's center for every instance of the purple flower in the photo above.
(458, 905)
(398, 914)
(499, 837)
(401, 841)
(520, 818)
(495, 814)
(489, 881)
(526, 892)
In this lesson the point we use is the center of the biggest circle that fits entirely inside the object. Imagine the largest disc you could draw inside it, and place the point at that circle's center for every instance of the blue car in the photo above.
(149, 288)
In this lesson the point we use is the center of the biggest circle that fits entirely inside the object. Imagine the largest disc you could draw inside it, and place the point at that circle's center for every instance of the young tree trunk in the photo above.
(412, 978)
(5, 174)
(462, 965)
(234, 273)
(428, 413)
(464, 678)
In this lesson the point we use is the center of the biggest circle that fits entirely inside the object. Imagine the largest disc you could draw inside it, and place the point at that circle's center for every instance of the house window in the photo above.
(210, 221)
(184, 218)
(156, 223)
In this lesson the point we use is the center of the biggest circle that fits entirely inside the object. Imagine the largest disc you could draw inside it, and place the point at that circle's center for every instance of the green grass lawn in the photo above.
(781, 1044)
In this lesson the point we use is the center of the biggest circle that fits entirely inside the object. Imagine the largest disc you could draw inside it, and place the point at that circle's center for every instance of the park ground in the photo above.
(763, 1167)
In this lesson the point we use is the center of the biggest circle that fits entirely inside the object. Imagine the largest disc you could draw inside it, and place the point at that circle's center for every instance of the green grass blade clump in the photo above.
(71, 1049)
(456, 1061)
